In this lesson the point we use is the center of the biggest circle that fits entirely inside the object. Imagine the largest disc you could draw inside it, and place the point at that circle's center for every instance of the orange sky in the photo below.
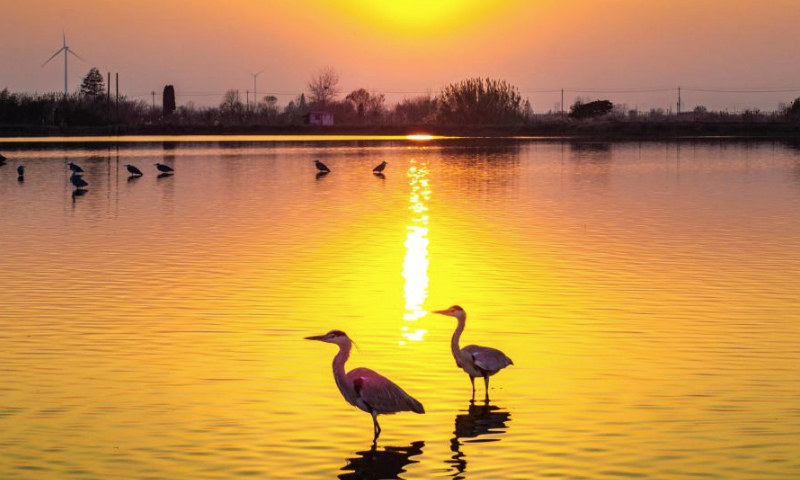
(413, 46)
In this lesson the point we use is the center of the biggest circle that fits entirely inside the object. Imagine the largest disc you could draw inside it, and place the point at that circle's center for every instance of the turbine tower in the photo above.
(255, 87)
(67, 52)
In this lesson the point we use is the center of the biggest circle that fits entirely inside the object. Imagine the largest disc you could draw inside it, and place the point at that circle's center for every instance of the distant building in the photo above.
(318, 117)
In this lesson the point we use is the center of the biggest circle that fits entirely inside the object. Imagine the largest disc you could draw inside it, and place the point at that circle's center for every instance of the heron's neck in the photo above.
(338, 368)
(457, 335)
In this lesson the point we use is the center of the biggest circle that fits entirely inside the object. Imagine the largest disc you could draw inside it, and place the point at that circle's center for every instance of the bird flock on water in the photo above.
(375, 394)
(76, 177)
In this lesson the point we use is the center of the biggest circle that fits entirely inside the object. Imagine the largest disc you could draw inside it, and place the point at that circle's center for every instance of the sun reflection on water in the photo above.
(415, 264)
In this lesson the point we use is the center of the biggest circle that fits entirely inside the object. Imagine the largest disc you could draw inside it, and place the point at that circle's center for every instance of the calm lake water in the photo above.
(648, 293)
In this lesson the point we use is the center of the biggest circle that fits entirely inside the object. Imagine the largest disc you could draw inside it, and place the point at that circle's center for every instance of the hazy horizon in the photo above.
(417, 47)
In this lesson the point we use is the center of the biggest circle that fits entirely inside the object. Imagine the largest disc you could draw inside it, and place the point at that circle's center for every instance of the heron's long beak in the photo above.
(318, 337)
(440, 312)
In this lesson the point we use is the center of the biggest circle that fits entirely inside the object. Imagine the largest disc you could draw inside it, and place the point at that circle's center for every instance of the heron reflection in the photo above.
(384, 463)
(480, 420)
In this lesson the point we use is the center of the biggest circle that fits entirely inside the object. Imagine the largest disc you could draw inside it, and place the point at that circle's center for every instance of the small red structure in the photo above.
(318, 117)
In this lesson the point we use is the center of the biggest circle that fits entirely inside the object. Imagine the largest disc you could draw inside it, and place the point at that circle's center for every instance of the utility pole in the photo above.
(562, 101)
(154, 99)
(108, 94)
(679, 101)
(117, 85)
(247, 92)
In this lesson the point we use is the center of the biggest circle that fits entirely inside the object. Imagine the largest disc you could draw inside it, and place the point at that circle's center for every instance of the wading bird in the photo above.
(380, 168)
(364, 388)
(321, 167)
(21, 171)
(133, 170)
(475, 360)
(75, 168)
(164, 168)
(78, 181)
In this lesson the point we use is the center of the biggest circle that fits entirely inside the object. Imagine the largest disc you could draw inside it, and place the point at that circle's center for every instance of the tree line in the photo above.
(472, 101)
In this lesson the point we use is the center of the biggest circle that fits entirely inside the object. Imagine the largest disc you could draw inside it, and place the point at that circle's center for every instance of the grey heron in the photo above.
(78, 181)
(75, 168)
(321, 167)
(477, 361)
(133, 170)
(380, 168)
(164, 168)
(366, 389)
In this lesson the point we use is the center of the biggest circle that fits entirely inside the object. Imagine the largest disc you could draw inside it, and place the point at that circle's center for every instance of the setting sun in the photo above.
(418, 16)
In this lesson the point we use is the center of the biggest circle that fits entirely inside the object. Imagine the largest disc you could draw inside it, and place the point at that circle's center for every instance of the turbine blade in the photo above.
(54, 56)
(70, 51)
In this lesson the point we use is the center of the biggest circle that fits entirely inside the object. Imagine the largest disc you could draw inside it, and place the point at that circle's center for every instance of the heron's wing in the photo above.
(489, 359)
(381, 394)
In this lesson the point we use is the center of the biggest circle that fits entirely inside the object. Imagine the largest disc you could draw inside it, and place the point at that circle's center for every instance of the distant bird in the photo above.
(322, 167)
(21, 170)
(364, 388)
(78, 181)
(133, 170)
(380, 168)
(164, 168)
(75, 168)
(476, 361)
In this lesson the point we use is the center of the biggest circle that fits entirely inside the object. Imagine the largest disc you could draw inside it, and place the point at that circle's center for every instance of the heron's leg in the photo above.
(472, 380)
(375, 424)
(486, 382)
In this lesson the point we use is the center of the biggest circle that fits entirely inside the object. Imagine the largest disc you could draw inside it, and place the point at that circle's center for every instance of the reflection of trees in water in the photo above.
(490, 167)
(591, 162)
(385, 463)
(480, 420)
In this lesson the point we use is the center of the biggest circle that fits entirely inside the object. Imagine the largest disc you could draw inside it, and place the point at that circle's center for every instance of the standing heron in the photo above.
(364, 388)
(75, 168)
(164, 168)
(133, 170)
(475, 360)
(322, 167)
(380, 168)
(21, 172)
(78, 181)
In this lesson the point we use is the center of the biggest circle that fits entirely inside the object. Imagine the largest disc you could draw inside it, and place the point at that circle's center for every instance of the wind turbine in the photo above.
(67, 52)
(255, 89)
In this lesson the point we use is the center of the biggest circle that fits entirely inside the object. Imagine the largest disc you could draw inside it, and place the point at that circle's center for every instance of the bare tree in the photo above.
(323, 86)
(231, 106)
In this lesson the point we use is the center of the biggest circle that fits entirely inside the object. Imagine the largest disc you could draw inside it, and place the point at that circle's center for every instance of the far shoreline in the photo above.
(601, 130)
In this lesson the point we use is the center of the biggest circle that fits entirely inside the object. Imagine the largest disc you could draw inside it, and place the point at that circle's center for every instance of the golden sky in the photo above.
(208, 46)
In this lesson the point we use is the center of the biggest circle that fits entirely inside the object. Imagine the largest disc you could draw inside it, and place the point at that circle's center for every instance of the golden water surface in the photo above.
(649, 295)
